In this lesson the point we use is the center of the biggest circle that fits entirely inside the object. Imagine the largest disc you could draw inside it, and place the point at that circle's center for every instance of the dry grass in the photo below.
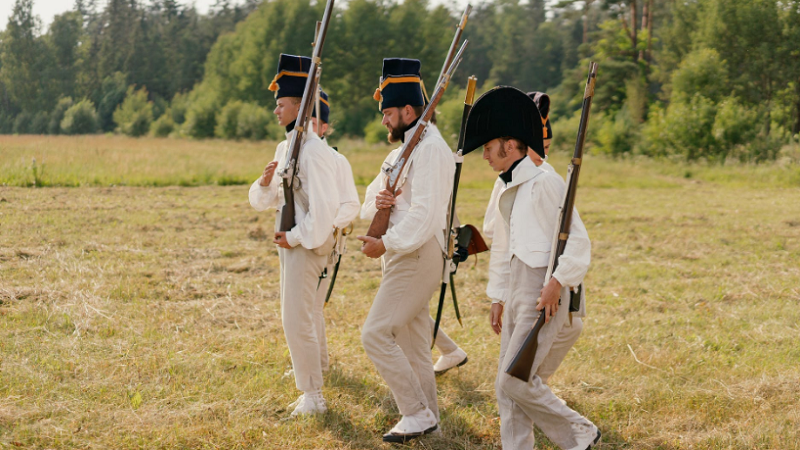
(134, 317)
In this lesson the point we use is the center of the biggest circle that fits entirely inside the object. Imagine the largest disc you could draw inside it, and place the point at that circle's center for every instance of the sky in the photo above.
(47, 9)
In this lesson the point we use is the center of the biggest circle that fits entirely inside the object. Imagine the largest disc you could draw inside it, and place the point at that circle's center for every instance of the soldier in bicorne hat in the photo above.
(506, 123)
(496, 287)
(397, 333)
(304, 249)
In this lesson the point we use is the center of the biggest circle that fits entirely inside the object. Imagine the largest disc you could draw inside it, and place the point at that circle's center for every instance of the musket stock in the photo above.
(522, 364)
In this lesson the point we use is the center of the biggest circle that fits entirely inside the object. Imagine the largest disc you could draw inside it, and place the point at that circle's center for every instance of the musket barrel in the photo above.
(459, 31)
(293, 153)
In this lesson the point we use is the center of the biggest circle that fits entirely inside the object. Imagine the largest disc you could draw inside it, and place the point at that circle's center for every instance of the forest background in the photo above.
(711, 80)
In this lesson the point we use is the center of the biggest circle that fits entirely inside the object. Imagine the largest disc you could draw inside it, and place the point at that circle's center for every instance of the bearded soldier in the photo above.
(397, 333)
(348, 208)
(303, 250)
(506, 122)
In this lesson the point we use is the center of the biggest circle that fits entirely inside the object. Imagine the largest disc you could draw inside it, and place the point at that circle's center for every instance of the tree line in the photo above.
(87, 58)
(700, 79)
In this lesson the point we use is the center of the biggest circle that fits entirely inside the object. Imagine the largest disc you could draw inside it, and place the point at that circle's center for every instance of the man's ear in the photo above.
(408, 113)
(510, 147)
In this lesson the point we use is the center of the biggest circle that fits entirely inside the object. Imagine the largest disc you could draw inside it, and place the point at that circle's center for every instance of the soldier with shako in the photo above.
(347, 210)
(397, 332)
(303, 250)
(506, 123)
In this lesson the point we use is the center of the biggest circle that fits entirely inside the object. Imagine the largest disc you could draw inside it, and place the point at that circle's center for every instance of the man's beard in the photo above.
(396, 134)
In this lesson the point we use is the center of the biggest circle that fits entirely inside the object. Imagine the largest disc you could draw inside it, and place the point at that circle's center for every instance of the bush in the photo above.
(374, 132)
(6, 123)
(134, 116)
(201, 118)
(178, 108)
(760, 149)
(617, 135)
(565, 130)
(734, 124)
(254, 123)
(112, 94)
(163, 126)
(54, 127)
(80, 118)
(41, 121)
(160, 106)
(228, 120)
(689, 126)
(448, 118)
(701, 72)
(22, 123)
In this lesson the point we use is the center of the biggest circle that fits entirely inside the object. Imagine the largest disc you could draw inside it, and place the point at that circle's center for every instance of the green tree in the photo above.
(21, 56)
(80, 118)
(134, 116)
(112, 93)
(57, 115)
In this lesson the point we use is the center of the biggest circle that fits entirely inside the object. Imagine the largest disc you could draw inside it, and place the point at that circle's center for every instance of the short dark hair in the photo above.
(523, 149)
(418, 110)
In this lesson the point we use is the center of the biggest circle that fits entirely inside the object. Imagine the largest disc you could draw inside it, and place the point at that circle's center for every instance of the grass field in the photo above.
(139, 316)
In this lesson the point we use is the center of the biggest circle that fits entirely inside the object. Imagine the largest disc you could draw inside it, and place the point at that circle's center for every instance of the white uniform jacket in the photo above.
(496, 288)
(317, 175)
(420, 211)
(529, 207)
(349, 203)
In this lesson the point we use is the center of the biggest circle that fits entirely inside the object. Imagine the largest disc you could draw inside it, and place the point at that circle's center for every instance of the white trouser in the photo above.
(523, 404)
(397, 332)
(300, 269)
(319, 317)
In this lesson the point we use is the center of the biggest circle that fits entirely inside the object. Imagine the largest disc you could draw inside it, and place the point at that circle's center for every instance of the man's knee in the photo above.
(370, 337)
(515, 388)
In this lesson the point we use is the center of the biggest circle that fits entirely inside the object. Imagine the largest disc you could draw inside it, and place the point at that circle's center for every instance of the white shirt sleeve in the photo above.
(499, 263)
(573, 264)
(430, 194)
(318, 168)
(368, 209)
(263, 198)
(349, 204)
(492, 214)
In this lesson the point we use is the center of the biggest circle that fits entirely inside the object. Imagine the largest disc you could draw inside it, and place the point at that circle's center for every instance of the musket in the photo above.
(380, 222)
(522, 364)
(289, 171)
(456, 39)
(447, 270)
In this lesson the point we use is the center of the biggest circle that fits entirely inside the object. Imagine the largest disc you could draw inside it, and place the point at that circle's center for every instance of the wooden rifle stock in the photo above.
(522, 364)
(289, 171)
(380, 222)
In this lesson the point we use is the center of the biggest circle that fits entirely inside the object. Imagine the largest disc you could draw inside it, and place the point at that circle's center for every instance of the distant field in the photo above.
(147, 317)
(119, 161)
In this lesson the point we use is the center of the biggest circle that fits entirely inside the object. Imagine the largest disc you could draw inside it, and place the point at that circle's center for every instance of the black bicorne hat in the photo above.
(401, 84)
(542, 101)
(324, 106)
(504, 111)
(290, 81)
